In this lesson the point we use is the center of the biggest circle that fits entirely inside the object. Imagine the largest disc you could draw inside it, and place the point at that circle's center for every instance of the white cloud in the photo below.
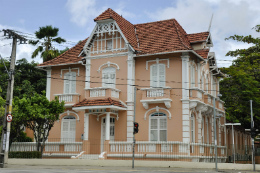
(230, 17)
(83, 11)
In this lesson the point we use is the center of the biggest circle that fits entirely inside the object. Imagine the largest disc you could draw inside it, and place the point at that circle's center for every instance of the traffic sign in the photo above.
(9, 118)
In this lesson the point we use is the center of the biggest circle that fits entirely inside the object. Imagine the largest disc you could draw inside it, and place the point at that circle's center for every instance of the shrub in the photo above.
(24, 154)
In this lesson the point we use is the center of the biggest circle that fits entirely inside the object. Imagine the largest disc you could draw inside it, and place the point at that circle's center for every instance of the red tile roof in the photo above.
(161, 36)
(147, 38)
(99, 102)
(68, 57)
(198, 37)
(203, 53)
(126, 27)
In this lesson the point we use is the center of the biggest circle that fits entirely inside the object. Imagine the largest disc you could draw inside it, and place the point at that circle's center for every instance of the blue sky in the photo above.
(74, 18)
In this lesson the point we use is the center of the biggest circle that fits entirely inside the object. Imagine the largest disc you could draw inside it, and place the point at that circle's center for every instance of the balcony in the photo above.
(196, 94)
(101, 92)
(156, 95)
(69, 99)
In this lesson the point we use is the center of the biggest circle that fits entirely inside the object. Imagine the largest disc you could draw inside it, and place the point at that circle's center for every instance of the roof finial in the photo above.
(210, 22)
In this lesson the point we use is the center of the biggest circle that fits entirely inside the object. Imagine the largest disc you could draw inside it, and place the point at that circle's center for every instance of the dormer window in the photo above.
(109, 44)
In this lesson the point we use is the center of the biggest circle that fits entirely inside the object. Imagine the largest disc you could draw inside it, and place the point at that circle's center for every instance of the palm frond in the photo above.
(59, 40)
(47, 31)
(37, 51)
(33, 42)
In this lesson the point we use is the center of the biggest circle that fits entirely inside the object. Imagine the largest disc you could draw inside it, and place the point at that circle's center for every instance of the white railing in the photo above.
(120, 146)
(155, 93)
(97, 92)
(146, 147)
(114, 93)
(199, 94)
(209, 98)
(49, 146)
(67, 97)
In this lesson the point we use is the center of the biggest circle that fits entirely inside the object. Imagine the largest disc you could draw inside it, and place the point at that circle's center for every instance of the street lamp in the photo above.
(233, 147)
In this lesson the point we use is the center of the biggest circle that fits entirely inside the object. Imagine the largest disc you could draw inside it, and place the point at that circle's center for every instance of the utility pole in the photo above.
(133, 160)
(9, 97)
(252, 126)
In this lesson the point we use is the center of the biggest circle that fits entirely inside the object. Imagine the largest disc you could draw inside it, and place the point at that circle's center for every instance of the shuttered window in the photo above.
(68, 130)
(70, 82)
(192, 76)
(158, 75)
(158, 127)
(109, 77)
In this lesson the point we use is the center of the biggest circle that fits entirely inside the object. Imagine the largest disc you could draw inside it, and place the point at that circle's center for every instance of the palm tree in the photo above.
(49, 35)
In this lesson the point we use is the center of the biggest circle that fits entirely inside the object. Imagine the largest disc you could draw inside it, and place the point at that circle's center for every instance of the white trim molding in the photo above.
(69, 70)
(86, 126)
(108, 64)
(157, 62)
(69, 113)
(157, 110)
(166, 101)
(48, 85)
(82, 108)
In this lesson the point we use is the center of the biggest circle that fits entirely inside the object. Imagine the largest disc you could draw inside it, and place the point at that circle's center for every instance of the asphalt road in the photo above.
(91, 169)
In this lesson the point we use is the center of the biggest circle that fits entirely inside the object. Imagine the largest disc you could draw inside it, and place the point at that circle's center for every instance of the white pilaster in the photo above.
(130, 94)
(199, 82)
(86, 125)
(185, 98)
(108, 126)
(87, 76)
(199, 126)
(48, 85)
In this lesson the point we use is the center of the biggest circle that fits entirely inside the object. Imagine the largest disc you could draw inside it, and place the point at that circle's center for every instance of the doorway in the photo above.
(103, 131)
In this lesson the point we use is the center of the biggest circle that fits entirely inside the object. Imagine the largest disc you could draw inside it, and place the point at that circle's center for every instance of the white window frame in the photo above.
(71, 81)
(62, 135)
(158, 124)
(104, 82)
(158, 75)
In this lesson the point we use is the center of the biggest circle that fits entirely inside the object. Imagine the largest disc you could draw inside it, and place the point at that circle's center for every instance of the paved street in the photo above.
(91, 169)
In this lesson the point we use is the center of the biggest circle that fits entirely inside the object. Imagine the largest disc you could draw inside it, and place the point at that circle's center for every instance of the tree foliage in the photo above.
(243, 82)
(45, 48)
(39, 115)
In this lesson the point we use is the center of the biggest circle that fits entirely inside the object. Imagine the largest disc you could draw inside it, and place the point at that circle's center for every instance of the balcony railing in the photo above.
(196, 94)
(68, 98)
(151, 93)
(102, 92)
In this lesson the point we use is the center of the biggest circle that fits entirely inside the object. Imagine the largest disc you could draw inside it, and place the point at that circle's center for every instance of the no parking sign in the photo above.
(9, 118)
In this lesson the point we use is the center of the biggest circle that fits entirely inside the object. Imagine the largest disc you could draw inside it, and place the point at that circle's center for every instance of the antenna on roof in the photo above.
(210, 22)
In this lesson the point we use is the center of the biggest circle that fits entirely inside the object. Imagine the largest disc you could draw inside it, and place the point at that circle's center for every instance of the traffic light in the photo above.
(136, 125)
(253, 132)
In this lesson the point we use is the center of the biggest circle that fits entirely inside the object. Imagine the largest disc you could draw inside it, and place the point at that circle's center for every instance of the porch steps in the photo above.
(89, 156)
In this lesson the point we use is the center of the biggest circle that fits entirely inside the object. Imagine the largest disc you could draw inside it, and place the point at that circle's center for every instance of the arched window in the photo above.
(158, 127)
(192, 76)
(68, 128)
(207, 84)
(109, 77)
(158, 75)
(70, 82)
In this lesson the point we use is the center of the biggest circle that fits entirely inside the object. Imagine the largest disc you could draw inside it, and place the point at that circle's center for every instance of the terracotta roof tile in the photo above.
(99, 102)
(161, 36)
(68, 57)
(126, 27)
(203, 53)
(197, 37)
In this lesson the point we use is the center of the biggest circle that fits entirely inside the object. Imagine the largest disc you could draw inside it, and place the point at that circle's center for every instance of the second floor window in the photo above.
(109, 77)
(70, 82)
(158, 75)
(192, 76)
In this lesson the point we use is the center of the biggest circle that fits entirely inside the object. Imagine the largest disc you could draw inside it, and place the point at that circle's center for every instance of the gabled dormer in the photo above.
(112, 34)
(200, 40)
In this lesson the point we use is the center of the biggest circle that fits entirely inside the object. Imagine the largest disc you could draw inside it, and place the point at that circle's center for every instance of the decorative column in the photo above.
(185, 98)
(87, 77)
(108, 126)
(199, 82)
(48, 85)
(130, 94)
(86, 126)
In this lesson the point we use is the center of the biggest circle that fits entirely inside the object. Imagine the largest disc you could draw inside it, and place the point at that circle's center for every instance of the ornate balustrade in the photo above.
(69, 99)
(102, 92)
(196, 94)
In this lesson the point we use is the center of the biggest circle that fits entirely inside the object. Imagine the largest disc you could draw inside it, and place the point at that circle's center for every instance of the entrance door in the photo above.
(103, 131)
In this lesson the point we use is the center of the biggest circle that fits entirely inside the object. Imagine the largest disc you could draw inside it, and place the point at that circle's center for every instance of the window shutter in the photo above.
(161, 75)
(154, 75)
(73, 82)
(65, 130)
(153, 123)
(66, 83)
(72, 130)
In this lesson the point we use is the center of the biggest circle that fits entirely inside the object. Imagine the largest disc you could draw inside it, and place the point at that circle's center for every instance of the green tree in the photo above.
(243, 82)
(49, 35)
(39, 115)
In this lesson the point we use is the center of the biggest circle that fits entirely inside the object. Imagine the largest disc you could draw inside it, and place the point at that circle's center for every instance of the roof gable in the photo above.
(198, 37)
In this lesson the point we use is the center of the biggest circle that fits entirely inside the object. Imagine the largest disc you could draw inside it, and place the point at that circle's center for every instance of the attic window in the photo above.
(109, 44)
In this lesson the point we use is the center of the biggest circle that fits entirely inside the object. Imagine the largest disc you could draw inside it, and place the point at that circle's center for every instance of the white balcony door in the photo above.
(103, 131)
(70, 82)
(68, 129)
(158, 75)
(109, 77)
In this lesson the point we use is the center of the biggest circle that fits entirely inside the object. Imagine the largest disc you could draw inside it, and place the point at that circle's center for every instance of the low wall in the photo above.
(128, 163)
